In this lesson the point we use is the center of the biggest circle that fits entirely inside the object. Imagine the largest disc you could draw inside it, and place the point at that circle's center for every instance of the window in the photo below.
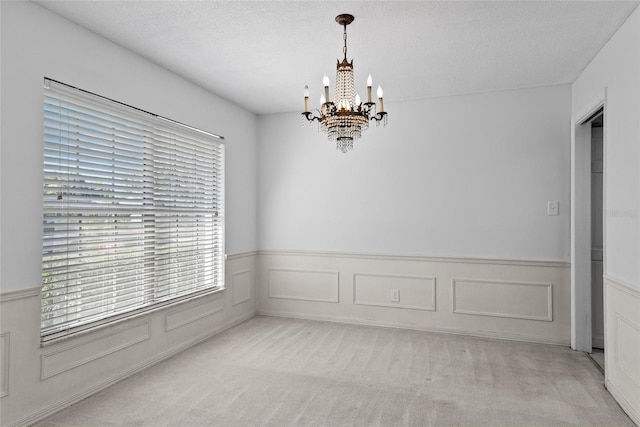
(133, 211)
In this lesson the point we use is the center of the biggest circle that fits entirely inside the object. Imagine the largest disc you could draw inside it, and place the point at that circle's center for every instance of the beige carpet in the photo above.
(287, 372)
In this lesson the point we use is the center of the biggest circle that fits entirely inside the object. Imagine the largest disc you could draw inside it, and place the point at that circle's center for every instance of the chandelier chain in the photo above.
(344, 49)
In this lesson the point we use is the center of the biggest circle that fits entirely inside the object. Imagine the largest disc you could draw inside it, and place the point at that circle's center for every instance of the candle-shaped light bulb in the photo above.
(380, 99)
(369, 83)
(357, 100)
(325, 82)
(322, 99)
(379, 91)
(306, 99)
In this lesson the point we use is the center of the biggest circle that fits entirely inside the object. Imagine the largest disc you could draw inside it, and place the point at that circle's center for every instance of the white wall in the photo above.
(36, 381)
(37, 43)
(616, 70)
(463, 176)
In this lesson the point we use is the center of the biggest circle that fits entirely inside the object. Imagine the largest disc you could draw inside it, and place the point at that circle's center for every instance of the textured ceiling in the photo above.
(260, 54)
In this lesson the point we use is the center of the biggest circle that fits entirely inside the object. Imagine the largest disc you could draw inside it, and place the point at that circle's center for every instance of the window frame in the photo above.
(168, 203)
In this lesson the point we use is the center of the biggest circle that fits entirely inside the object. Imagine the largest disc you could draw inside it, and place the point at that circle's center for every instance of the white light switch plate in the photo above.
(395, 295)
(553, 208)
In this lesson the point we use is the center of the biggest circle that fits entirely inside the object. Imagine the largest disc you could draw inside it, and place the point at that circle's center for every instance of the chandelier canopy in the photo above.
(346, 117)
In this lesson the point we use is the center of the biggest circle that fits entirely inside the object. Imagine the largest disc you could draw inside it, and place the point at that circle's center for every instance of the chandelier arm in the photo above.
(379, 117)
(311, 116)
(308, 115)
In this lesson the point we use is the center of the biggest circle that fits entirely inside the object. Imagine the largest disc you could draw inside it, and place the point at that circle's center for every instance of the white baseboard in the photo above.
(378, 323)
(624, 403)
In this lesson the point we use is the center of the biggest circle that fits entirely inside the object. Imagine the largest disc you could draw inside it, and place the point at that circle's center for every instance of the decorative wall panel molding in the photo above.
(77, 396)
(190, 313)
(87, 350)
(413, 292)
(622, 344)
(306, 285)
(518, 300)
(5, 358)
(627, 354)
(241, 284)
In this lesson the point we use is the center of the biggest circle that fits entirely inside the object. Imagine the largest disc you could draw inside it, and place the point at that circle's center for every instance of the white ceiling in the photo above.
(260, 54)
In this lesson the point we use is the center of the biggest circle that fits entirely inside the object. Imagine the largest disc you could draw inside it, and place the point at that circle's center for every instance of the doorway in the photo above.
(597, 221)
(588, 251)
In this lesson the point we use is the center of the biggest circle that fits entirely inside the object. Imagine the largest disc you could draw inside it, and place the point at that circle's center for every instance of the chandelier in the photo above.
(346, 117)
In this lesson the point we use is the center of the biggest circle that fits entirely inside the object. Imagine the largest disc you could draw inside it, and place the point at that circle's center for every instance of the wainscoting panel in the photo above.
(45, 379)
(192, 312)
(5, 342)
(627, 353)
(414, 293)
(508, 299)
(87, 349)
(241, 282)
(306, 285)
(517, 300)
(622, 344)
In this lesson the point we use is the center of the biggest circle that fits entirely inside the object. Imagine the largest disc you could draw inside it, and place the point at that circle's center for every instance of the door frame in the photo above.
(581, 315)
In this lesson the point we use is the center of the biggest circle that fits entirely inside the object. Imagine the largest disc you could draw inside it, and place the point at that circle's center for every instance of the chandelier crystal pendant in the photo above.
(346, 117)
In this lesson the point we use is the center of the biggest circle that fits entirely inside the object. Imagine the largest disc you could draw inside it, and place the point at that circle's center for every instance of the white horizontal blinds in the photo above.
(133, 211)
(188, 213)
